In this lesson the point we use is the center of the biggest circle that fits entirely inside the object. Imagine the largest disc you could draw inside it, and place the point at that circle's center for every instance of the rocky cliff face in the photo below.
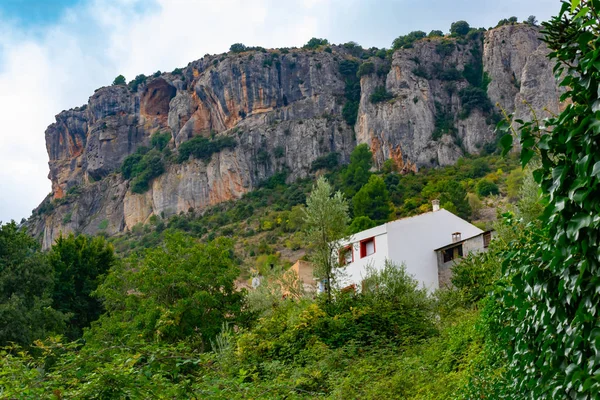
(284, 110)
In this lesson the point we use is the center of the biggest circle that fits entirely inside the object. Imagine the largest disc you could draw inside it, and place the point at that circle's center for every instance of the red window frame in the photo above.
(363, 246)
(343, 251)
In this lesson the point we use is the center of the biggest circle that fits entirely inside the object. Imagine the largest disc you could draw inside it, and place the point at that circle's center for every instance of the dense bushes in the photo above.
(473, 98)
(365, 68)
(380, 94)
(141, 167)
(349, 70)
(203, 148)
(407, 41)
(315, 43)
(146, 163)
(328, 161)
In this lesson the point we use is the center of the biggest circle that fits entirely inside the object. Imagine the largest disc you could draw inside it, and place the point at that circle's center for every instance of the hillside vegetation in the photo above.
(163, 318)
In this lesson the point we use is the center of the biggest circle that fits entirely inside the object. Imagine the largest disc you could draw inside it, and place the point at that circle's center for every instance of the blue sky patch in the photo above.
(29, 13)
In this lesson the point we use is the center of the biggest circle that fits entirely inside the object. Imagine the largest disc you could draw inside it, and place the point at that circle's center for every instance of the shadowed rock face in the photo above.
(284, 111)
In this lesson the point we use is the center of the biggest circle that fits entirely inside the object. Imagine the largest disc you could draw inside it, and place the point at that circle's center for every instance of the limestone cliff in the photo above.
(284, 109)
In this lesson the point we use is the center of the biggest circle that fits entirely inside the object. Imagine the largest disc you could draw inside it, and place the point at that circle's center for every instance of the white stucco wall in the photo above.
(354, 273)
(411, 241)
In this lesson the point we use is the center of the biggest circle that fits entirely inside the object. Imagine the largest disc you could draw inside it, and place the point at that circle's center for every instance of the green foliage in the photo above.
(326, 224)
(315, 43)
(373, 201)
(79, 264)
(407, 41)
(119, 80)
(366, 68)
(444, 121)
(472, 98)
(140, 79)
(549, 306)
(182, 290)
(445, 47)
(238, 48)
(460, 28)
(360, 224)
(357, 173)
(349, 70)
(328, 161)
(486, 187)
(435, 33)
(26, 285)
(380, 94)
(142, 168)
(532, 20)
(146, 163)
(203, 148)
(160, 140)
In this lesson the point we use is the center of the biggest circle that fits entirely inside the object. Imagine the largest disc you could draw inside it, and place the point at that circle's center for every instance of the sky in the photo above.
(55, 53)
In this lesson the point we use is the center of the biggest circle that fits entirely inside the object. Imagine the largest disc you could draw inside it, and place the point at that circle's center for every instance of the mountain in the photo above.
(235, 120)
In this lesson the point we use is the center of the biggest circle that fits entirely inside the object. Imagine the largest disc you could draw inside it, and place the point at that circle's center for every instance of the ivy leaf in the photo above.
(506, 142)
(596, 169)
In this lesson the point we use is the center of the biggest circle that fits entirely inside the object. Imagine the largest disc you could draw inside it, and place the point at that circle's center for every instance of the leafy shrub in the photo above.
(349, 70)
(421, 71)
(486, 187)
(459, 28)
(474, 98)
(315, 43)
(445, 47)
(435, 33)
(450, 74)
(328, 161)
(119, 80)
(203, 148)
(407, 41)
(237, 48)
(160, 140)
(444, 121)
(365, 69)
(380, 94)
(133, 85)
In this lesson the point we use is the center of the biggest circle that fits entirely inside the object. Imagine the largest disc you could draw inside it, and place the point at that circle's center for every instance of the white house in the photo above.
(427, 244)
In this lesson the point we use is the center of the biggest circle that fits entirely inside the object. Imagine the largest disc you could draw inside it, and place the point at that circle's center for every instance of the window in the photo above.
(487, 238)
(367, 247)
(346, 255)
(452, 253)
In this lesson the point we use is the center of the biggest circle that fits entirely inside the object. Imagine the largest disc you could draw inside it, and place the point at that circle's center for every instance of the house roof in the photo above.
(440, 218)
(449, 245)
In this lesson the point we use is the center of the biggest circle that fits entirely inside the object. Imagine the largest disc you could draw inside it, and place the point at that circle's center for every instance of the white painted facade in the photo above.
(410, 241)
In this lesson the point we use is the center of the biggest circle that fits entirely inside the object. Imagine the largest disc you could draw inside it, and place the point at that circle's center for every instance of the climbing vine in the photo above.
(550, 306)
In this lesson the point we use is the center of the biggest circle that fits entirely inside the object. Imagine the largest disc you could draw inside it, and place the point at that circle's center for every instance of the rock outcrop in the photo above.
(284, 109)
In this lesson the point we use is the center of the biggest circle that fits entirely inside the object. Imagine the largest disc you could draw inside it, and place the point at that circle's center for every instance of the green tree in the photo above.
(26, 284)
(79, 265)
(549, 307)
(486, 187)
(360, 224)
(460, 28)
(120, 80)
(238, 48)
(532, 20)
(315, 43)
(407, 41)
(373, 201)
(182, 290)
(435, 33)
(326, 220)
(357, 173)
